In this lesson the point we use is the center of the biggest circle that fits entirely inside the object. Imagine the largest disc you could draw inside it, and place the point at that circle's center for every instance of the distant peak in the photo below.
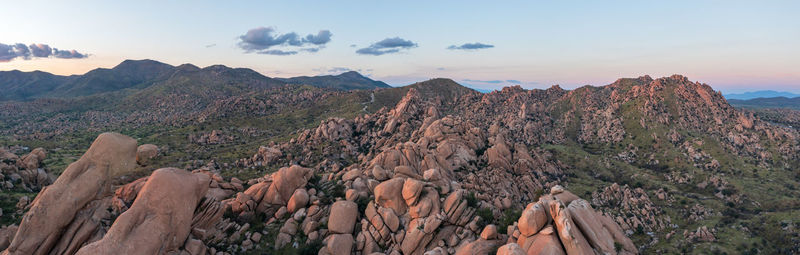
(512, 89)
(217, 68)
(555, 88)
(143, 62)
(188, 67)
(351, 73)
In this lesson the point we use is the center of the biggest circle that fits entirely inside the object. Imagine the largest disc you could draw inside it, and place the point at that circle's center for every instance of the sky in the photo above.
(734, 46)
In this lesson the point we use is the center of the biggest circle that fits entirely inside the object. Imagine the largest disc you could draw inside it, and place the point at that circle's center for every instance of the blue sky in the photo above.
(733, 46)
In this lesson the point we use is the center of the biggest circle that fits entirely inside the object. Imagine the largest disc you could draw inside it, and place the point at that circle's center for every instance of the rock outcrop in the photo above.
(27, 171)
(65, 214)
(562, 223)
(160, 219)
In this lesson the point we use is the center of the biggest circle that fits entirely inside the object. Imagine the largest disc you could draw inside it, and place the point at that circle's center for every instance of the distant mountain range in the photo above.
(768, 102)
(760, 94)
(346, 81)
(139, 75)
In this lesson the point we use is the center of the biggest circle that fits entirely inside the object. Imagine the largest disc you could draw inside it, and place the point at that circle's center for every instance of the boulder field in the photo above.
(393, 208)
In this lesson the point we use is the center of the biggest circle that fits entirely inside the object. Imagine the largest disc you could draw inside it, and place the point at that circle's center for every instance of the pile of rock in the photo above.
(169, 211)
(27, 171)
(559, 223)
(630, 208)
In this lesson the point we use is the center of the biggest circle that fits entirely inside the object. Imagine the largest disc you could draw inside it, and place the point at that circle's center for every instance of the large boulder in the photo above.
(533, 218)
(88, 179)
(298, 200)
(549, 226)
(146, 152)
(571, 237)
(285, 182)
(510, 249)
(160, 219)
(389, 194)
(339, 244)
(343, 217)
(544, 242)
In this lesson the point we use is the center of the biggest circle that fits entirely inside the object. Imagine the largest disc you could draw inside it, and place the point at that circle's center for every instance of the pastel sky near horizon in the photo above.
(734, 46)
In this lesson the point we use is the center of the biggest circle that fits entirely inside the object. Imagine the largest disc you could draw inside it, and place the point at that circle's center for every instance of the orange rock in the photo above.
(160, 218)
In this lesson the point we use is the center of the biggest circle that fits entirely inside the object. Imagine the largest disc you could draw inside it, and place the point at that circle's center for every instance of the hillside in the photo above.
(667, 165)
(137, 76)
(345, 81)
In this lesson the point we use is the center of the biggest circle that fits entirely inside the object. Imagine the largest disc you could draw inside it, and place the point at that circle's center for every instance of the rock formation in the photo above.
(66, 215)
(562, 223)
(439, 172)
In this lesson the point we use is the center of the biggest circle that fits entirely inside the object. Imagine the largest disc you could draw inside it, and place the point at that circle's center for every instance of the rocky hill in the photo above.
(638, 166)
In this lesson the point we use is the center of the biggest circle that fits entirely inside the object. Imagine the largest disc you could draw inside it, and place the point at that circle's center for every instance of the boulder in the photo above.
(568, 232)
(340, 244)
(298, 200)
(533, 218)
(146, 152)
(160, 219)
(343, 217)
(389, 194)
(510, 249)
(411, 191)
(284, 182)
(544, 242)
(88, 179)
(7, 235)
(489, 232)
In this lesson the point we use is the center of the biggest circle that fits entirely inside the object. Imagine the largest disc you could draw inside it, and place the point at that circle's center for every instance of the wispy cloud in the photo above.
(10, 52)
(470, 46)
(339, 70)
(484, 81)
(264, 40)
(387, 46)
(277, 52)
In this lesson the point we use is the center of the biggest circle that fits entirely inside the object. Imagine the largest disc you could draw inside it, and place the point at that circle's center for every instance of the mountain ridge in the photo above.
(760, 94)
(140, 74)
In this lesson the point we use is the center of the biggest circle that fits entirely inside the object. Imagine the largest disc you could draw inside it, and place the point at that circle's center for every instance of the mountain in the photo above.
(133, 76)
(761, 94)
(345, 81)
(641, 165)
(128, 74)
(17, 85)
(767, 102)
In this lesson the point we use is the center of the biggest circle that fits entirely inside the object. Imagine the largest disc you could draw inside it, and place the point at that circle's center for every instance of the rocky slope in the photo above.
(639, 166)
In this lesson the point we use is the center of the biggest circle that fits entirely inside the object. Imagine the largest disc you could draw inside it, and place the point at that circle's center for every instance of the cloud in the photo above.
(471, 46)
(353, 45)
(339, 70)
(312, 50)
(484, 81)
(41, 50)
(322, 37)
(513, 81)
(9, 52)
(263, 40)
(67, 54)
(387, 46)
(277, 52)
(211, 45)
